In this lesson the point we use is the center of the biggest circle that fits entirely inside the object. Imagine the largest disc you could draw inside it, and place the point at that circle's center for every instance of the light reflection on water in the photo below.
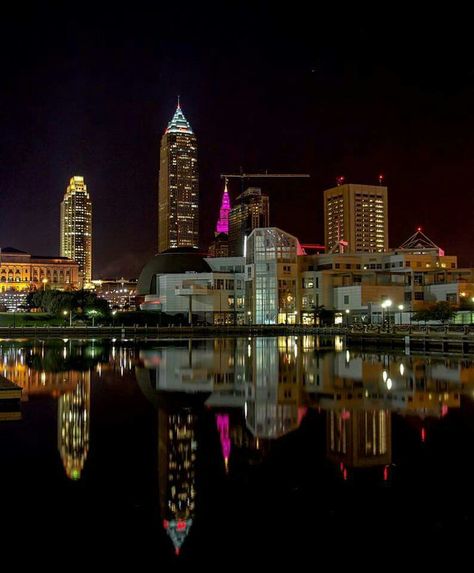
(222, 406)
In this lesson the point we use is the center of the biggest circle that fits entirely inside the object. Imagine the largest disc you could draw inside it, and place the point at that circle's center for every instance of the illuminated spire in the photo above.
(179, 124)
(223, 221)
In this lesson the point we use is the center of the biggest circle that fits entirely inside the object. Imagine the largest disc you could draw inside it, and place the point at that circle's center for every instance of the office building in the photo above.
(178, 194)
(251, 211)
(76, 228)
(356, 218)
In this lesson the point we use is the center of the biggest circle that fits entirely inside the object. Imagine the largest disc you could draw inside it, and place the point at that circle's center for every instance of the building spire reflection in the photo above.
(177, 472)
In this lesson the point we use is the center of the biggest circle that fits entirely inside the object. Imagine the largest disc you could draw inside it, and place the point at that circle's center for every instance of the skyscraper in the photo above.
(356, 218)
(178, 196)
(251, 211)
(76, 228)
(223, 221)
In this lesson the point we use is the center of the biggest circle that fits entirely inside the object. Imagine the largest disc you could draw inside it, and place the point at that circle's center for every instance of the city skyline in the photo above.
(372, 104)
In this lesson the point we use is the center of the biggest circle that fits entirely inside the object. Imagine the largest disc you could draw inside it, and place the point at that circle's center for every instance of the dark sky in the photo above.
(89, 91)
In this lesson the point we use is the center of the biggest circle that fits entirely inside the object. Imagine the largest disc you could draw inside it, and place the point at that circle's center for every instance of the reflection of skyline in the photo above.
(359, 438)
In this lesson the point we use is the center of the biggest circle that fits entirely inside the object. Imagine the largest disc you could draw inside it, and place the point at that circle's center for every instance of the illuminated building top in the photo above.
(179, 124)
(223, 222)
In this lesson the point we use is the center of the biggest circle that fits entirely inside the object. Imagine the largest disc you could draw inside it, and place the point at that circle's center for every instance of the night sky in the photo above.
(89, 91)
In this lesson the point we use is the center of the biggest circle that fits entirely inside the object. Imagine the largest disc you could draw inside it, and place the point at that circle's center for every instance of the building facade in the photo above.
(356, 218)
(178, 194)
(23, 272)
(76, 228)
(251, 211)
(271, 277)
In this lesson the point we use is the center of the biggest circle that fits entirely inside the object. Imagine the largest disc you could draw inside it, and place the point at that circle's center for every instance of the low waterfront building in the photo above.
(21, 273)
(182, 282)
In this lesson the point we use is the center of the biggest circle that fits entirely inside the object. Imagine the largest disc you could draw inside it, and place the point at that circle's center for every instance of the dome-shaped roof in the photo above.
(172, 261)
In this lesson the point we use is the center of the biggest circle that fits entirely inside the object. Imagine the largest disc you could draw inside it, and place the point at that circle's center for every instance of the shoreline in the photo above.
(427, 339)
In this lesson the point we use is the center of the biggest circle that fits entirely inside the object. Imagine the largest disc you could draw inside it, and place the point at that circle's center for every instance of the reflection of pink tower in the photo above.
(223, 428)
(223, 221)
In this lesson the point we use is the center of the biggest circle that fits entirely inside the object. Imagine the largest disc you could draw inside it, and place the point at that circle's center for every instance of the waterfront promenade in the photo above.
(458, 339)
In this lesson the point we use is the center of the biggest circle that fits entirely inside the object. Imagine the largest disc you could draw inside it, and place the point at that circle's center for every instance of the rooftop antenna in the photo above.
(340, 180)
(381, 179)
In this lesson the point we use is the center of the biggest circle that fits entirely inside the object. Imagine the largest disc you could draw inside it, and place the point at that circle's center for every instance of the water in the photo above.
(228, 452)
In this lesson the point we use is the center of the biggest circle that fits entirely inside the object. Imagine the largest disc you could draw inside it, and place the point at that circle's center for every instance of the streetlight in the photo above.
(249, 313)
(347, 317)
(44, 281)
(65, 312)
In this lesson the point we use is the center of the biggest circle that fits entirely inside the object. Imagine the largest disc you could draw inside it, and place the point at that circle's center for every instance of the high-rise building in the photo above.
(76, 228)
(356, 218)
(251, 211)
(223, 221)
(178, 195)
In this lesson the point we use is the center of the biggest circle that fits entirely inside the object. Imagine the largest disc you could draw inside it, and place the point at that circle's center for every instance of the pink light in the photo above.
(301, 413)
(345, 415)
(385, 473)
(423, 435)
(444, 409)
(223, 221)
(345, 474)
(223, 428)
(166, 523)
(419, 229)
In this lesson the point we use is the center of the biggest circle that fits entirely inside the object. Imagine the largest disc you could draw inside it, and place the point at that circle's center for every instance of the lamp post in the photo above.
(400, 308)
(93, 314)
(347, 317)
(44, 281)
(65, 312)
(386, 304)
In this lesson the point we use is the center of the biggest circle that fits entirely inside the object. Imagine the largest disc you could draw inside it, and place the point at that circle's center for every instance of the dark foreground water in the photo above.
(226, 453)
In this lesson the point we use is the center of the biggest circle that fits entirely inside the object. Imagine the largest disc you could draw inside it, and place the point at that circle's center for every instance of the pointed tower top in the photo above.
(420, 242)
(223, 221)
(179, 124)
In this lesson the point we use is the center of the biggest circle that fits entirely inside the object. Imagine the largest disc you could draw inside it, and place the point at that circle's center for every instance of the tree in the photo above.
(441, 311)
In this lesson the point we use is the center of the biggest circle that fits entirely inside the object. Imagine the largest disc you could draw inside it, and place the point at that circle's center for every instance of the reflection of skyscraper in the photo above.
(177, 459)
(222, 421)
(73, 427)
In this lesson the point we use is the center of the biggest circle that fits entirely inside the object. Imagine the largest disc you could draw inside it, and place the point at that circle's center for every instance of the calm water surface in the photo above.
(225, 452)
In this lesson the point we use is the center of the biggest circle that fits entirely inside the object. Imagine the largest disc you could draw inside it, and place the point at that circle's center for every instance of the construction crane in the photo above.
(260, 175)
(243, 176)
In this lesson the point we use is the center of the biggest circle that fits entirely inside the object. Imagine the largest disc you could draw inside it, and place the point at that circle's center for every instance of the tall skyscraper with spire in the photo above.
(76, 228)
(223, 221)
(178, 195)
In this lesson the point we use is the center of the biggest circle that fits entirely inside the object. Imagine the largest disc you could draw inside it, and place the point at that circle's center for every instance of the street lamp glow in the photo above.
(400, 307)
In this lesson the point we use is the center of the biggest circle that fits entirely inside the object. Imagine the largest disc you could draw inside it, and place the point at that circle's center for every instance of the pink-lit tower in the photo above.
(223, 221)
